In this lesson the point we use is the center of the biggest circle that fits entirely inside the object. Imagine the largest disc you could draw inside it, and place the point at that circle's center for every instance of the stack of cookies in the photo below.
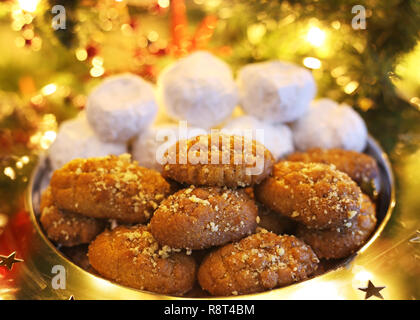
(236, 210)
(199, 220)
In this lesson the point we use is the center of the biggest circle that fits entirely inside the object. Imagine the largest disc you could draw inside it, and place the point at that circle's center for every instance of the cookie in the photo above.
(257, 263)
(275, 91)
(342, 241)
(361, 167)
(121, 107)
(149, 147)
(76, 139)
(315, 194)
(132, 257)
(66, 228)
(218, 160)
(110, 187)
(328, 125)
(198, 88)
(276, 138)
(199, 218)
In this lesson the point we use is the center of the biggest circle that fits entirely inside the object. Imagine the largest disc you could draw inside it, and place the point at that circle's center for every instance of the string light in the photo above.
(361, 276)
(316, 37)
(351, 87)
(97, 62)
(152, 36)
(163, 3)
(81, 54)
(49, 89)
(47, 139)
(255, 32)
(9, 172)
(312, 63)
(28, 5)
(97, 71)
(25, 159)
(37, 99)
(336, 24)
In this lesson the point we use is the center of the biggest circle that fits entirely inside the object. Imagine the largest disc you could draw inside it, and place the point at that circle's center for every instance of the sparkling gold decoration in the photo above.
(371, 290)
(9, 261)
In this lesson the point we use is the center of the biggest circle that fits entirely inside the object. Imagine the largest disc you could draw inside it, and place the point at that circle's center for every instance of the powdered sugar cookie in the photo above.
(198, 88)
(75, 139)
(276, 138)
(330, 125)
(150, 145)
(275, 91)
(121, 107)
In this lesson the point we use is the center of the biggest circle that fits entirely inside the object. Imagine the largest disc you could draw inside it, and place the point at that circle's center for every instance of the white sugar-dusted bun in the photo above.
(330, 125)
(198, 88)
(121, 107)
(75, 139)
(276, 138)
(151, 144)
(275, 91)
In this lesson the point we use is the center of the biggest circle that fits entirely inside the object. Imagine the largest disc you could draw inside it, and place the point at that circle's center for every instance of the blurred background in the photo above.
(45, 75)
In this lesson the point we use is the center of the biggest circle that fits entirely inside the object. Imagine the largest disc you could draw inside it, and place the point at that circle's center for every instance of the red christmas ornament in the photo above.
(91, 51)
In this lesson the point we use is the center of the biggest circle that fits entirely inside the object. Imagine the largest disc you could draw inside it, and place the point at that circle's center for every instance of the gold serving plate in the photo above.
(341, 282)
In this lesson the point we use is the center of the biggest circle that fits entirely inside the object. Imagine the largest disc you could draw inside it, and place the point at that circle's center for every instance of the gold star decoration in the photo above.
(416, 238)
(371, 290)
(9, 261)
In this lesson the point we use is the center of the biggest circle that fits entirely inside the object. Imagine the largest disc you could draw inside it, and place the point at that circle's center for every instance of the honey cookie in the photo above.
(342, 241)
(257, 263)
(109, 187)
(132, 257)
(361, 167)
(218, 160)
(66, 228)
(315, 194)
(198, 218)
